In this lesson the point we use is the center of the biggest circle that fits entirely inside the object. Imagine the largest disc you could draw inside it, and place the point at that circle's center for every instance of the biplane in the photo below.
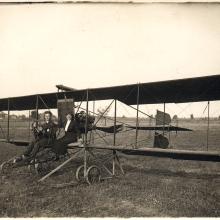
(173, 91)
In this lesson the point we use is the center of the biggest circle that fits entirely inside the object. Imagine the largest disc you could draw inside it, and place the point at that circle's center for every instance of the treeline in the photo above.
(33, 116)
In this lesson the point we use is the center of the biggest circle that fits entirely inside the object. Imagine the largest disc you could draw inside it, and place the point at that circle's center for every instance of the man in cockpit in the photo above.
(44, 136)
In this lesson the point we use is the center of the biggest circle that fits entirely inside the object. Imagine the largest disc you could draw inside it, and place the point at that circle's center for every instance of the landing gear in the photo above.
(6, 167)
(80, 173)
(93, 174)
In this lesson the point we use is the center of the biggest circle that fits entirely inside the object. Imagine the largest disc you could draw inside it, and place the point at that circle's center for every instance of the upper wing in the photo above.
(173, 91)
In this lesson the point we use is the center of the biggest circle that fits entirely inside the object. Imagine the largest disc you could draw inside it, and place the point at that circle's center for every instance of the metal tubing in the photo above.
(115, 114)
(86, 131)
(37, 106)
(73, 111)
(208, 127)
(44, 103)
(137, 121)
(99, 161)
(79, 107)
(119, 164)
(93, 109)
(164, 110)
(142, 113)
(103, 113)
(59, 167)
(109, 118)
(149, 134)
(102, 137)
(29, 125)
(8, 124)
(114, 142)
(85, 161)
(87, 113)
(113, 162)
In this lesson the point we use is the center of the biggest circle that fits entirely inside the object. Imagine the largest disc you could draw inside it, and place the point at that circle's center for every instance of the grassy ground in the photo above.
(150, 187)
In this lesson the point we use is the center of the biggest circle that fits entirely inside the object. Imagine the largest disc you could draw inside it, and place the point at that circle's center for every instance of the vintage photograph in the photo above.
(109, 109)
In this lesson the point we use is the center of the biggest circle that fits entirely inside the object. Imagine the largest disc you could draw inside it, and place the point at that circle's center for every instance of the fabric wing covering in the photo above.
(110, 129)
(173, 91)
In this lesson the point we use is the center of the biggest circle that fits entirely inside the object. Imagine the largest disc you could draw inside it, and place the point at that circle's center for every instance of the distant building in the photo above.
(13, 116)
(3, 115)
(22, 117)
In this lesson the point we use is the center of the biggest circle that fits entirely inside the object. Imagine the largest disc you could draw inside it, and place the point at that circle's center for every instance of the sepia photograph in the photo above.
(109, 109)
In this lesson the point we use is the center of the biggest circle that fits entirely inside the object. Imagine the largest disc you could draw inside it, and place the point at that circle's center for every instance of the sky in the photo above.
(97, 45)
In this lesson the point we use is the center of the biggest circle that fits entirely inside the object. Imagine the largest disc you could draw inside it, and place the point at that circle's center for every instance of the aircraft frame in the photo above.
(137, 99)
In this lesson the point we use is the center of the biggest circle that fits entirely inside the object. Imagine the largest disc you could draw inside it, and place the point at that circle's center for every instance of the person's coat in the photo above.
(60, 146)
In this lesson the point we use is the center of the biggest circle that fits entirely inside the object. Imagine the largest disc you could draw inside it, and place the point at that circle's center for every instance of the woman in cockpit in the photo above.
(71, 134)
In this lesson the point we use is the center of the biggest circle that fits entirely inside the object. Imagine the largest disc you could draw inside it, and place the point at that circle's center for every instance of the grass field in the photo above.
(151, 186)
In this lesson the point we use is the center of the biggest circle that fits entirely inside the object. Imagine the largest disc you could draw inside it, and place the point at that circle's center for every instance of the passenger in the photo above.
(44, 136)
(71, 134)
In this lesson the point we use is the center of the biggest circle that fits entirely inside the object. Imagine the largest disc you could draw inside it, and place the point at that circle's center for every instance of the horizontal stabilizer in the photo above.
(110, 129)
(160, 128)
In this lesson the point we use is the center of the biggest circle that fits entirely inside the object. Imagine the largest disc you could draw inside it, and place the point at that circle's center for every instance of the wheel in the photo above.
(93, 175)
(80, 173)
(5, 167)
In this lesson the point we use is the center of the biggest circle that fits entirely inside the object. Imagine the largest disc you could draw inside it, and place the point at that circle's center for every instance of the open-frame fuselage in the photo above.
(173, 91)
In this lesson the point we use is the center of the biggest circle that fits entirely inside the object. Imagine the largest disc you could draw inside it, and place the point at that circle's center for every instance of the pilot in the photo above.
(72, 132)
(44, 136)
(37, 135)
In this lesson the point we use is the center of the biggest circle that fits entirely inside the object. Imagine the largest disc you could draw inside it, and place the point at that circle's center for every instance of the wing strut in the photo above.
(37, 105)
(164, 110)
(137, 115)
(115, 115)
(208, 127)
(8, 124)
